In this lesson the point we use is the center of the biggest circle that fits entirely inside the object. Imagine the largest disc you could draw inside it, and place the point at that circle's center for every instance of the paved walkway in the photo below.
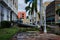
(35, 36)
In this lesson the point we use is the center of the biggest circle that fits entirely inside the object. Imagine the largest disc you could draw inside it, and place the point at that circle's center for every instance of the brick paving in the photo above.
(35, 36)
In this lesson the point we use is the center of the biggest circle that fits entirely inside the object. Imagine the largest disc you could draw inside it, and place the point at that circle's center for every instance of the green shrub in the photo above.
(28, 29)
(49, 23)
(57, 33)
(58, 24)
(48, 29)
(5, 24)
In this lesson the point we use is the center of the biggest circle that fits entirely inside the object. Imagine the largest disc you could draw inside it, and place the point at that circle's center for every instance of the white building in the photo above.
(8, 10)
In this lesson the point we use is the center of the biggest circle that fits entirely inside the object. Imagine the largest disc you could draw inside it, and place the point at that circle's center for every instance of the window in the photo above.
(10, 0)
(13, 1)
(30, 20)
(58, 4)
(15, 4)
(0, 10)
(2, 14)
(23, 14)
(7, 15)
(59, 14)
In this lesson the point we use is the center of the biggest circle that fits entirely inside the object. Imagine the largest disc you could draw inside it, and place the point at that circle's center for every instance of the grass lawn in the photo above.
(7, 33)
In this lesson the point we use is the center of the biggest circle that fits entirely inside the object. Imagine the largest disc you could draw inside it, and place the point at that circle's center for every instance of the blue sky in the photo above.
(22, 5)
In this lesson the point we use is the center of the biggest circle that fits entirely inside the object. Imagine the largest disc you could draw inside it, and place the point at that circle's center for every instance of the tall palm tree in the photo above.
(58, 11)
(33, 7)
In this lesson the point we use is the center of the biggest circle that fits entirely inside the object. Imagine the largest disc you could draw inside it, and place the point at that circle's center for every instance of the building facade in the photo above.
(22, 15)
(8, 10)
(52, 17)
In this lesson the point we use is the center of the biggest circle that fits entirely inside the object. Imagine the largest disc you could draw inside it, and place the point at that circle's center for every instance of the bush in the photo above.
(5, 24)
(28, 29)
(50, 30)
(57, 33)
(49, 23)
(58, 24)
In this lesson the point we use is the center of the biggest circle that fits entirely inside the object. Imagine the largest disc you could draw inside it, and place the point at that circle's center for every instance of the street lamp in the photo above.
(45, 30)
(41, 11)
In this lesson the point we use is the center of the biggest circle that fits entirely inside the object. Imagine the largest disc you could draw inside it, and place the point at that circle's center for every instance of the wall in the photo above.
(14, 6)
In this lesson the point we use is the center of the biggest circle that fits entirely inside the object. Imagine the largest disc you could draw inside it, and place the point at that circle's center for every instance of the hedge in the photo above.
(5, 24)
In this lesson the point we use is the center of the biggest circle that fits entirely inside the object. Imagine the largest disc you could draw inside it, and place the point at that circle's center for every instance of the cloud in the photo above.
(47, 0)
(21, 5)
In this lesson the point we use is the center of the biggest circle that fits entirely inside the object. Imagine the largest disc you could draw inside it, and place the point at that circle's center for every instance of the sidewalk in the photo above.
(35, 36)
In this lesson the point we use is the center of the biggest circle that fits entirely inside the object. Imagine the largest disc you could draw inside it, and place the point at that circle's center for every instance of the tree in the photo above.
(39, 14)
(32, 8)
(34, 5)
(58, 12)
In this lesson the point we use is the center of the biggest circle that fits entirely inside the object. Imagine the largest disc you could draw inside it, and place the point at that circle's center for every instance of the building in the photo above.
(8, 10)
(52, 17)
(22, 15)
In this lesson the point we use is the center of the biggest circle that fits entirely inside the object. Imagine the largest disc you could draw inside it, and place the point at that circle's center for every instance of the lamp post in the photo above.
(41, 11)
(45, 30)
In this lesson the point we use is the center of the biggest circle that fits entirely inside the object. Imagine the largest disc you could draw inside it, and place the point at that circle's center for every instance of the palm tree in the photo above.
(32, 8)
(58, 12)
(34, 5)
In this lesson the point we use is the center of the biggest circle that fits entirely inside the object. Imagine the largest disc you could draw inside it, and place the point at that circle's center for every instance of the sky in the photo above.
(47, 0)
(22, 5)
